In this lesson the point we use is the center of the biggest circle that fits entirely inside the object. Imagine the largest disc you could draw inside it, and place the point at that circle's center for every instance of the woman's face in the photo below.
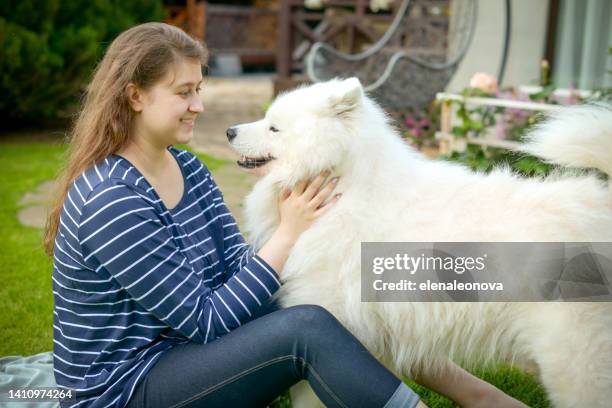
(169, 108)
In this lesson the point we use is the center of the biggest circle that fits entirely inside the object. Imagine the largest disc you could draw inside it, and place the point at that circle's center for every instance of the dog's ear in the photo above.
(348, 97)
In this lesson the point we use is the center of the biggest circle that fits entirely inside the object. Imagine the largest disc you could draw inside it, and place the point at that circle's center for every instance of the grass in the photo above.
(512, 381)
(25, 294)
(26, 299)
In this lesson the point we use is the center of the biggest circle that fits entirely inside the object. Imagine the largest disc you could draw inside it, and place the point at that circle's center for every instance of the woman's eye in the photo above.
(198, 90)
(184, 93)
(273, 129)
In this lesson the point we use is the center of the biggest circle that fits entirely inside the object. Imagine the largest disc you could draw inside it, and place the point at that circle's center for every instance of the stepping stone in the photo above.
(43, 194)
(33, 216)
(36, 205)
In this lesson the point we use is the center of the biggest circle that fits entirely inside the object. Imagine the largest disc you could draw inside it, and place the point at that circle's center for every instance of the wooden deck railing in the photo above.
(299, 28)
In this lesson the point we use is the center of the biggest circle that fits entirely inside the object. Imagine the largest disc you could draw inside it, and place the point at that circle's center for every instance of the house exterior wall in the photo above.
(527, 43)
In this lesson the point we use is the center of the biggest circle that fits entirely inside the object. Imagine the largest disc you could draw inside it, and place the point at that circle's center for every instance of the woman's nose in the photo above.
(196, 105)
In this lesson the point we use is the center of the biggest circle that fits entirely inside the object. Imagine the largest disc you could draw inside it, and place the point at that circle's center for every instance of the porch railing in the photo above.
(353, 24)
(451, 143)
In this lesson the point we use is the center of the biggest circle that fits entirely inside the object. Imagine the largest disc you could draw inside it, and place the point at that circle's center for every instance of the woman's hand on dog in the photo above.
(298, 208)
(303, 205)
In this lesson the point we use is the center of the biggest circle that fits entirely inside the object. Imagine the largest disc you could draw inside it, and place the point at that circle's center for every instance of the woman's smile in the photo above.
(188, 122)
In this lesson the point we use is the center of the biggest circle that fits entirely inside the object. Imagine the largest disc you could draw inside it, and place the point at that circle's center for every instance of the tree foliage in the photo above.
(48, 49)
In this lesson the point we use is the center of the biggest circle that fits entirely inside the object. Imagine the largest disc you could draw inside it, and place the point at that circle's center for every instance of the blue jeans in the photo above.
(255, 363)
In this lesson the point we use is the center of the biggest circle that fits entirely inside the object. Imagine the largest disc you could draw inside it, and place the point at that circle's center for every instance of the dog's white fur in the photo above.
(392, 193)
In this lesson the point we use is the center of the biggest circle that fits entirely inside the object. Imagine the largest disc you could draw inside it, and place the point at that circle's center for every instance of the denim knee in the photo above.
(310, 315)
(308, 321)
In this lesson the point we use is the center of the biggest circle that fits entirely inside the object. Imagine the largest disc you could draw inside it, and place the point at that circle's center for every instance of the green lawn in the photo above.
(512, 381)
(25, 293)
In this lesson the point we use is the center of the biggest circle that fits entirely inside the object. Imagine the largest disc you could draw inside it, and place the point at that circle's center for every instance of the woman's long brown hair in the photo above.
(142, 56)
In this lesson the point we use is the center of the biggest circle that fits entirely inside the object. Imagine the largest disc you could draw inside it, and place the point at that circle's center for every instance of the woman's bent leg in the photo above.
(255, 363)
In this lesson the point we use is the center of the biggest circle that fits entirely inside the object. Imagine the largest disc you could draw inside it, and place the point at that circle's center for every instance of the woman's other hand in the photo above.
(303, 205)
(299, 209)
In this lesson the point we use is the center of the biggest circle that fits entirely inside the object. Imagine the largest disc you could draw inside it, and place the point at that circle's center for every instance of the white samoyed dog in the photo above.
(390, 192)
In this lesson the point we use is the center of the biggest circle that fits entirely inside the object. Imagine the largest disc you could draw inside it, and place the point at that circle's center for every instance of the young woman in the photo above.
(159, 302)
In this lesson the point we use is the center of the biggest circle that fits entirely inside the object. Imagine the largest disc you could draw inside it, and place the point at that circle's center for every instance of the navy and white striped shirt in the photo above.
(132, 279)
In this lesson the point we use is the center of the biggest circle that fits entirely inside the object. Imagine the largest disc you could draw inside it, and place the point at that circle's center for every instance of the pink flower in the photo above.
(572, 98)
(516, 113)
(410, 122)
(415, 132)
(500, 130)
(485, 82)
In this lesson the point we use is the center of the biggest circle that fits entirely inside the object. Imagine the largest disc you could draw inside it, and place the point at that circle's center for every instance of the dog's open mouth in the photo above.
(253, 162)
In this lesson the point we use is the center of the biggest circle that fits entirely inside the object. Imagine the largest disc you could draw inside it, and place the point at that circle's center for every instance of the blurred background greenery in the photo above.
(49, 48)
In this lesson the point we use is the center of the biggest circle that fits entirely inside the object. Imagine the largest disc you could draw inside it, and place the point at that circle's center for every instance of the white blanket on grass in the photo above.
(32, 372)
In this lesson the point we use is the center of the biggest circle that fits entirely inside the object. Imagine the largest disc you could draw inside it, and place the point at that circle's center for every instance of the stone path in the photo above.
(227, 102)
(36, 205)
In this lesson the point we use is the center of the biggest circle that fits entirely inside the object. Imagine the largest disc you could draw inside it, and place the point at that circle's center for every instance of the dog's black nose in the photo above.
(231, 134)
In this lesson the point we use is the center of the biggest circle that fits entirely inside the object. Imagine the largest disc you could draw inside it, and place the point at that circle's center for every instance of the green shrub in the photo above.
(49, 48)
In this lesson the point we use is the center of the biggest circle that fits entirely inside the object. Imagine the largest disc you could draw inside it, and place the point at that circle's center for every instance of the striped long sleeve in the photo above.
(142, 255)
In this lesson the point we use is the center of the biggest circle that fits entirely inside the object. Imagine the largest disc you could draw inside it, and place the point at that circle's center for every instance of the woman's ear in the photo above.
(134, 96)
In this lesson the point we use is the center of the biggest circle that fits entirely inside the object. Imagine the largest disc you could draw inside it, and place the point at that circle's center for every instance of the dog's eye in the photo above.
(273, 129)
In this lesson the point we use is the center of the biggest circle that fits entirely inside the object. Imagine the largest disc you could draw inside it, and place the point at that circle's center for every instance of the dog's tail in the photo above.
(578, 136)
